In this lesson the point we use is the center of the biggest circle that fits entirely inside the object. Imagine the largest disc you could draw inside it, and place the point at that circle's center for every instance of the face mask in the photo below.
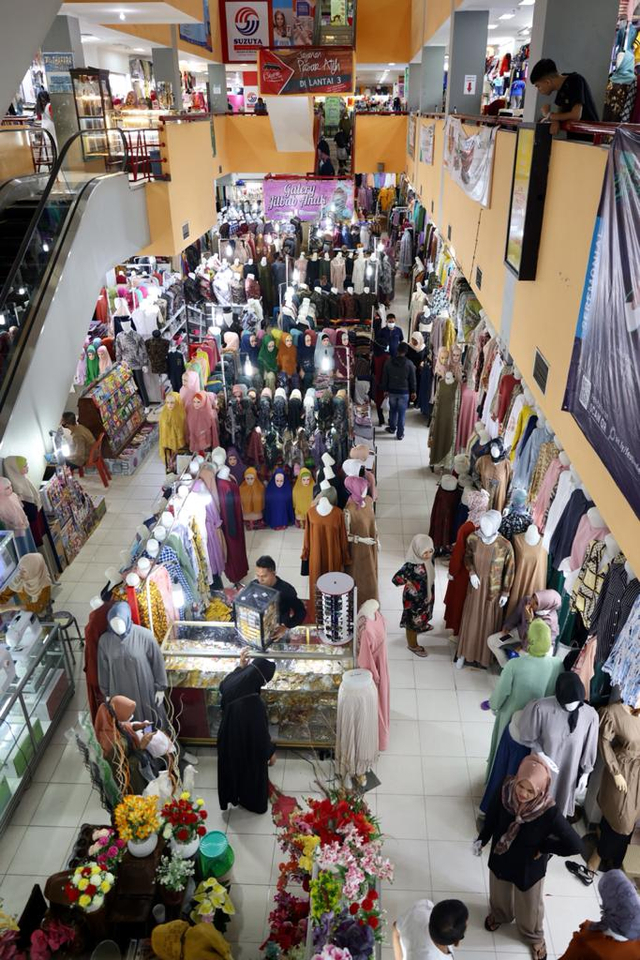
(119, 626)
(495, 451)
(570, 707)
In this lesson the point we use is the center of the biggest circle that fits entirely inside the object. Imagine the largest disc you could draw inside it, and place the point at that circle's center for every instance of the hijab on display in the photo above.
(16, 470)
(267, 356)
(323, 357)
(11, 512)
(359, 452)
(231, 341)
(625, 71)
(172, 424)
(570, 690)
(104, 359)
(93, 364)
(287, 355)
(303, 492)
(305, 348)
(178, 940)
(252, 492)
(119, 619)
(202, 422)
(620, 906)
(219, 456)
(352, 468)
(538, 639)
(357, 487)
(32, 576)
(419, 545)
(534, 772)
(190, 386)
(518, 501)
(235, 464)
(279, 501)
(496, 450)
(251, 347)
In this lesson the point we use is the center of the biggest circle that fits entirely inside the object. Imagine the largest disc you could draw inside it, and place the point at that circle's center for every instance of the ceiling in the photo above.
(143, 12)
(113, 40)
(517, 28)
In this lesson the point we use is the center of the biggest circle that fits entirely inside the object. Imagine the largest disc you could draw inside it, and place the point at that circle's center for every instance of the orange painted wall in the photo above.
(384, 31)
(245, 144)
(427, 16)
(380, 140)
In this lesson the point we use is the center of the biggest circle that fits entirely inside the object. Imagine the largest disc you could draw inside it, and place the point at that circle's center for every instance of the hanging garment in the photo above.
(482, 616)
(358, 279)
(357, 744)
(589, 583)
(466, 418)
(372, 655)
(442, 434)
(443, 512)
(619, 743)
(564, 534)
(530, 571)
(585, 533)
(613, 607)
(566, 486)
(325, 546)
(338, 273)
(494, 477)
(363, 546)
(546, 494)
(457, 588)
(547, 454)
(237, 565)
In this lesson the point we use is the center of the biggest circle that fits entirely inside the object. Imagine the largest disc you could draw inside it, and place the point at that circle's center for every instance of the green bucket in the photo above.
(215, 856)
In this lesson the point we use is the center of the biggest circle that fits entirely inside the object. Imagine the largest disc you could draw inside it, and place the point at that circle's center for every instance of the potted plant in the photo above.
(138, 823)
(212, 904)
(88, 887)
(173, 876)
(184, 824)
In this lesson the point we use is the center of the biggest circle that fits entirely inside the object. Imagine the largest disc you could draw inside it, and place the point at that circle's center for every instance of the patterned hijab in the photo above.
(534, 771)
(478, 502)
(419, 545)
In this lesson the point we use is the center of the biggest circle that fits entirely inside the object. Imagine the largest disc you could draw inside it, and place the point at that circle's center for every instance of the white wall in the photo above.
(24, 27)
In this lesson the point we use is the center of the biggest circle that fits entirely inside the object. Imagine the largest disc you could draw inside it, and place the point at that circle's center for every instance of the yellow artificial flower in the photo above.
(185, 795)
(96, 869)
(228, 907)
(199, 802)
(83, 884)
(84, 900)
(105, 887)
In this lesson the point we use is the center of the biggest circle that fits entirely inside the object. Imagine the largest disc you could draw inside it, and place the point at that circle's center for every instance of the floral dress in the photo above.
(417, 598)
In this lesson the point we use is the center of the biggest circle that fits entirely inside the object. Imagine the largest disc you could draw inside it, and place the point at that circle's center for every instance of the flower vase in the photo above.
(185, 850)
(170, 898)
(143, 848)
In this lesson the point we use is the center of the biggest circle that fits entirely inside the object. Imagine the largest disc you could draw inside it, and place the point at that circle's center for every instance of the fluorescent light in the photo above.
(527, 3)
(391, 64)
(122, 15)
(138, 50)
(507, 16)
(492, 26)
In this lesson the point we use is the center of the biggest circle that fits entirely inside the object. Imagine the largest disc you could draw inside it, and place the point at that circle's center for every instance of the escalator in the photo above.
(58, 237)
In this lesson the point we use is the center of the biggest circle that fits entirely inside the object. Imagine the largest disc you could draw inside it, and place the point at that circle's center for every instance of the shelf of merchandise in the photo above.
(71, 514)
(176, 324)
(301, 700)
(112, 404)
(31, 706)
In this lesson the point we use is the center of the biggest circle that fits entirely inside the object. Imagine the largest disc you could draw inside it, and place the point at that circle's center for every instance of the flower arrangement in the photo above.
(88, 886)
(184, 818)
(331, 952)
(107, 848)
(212, 904)
(45, 942)
(137, 818)
(174, 872)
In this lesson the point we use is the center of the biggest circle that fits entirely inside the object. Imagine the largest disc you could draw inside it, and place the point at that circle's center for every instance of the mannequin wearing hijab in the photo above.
(16, 469)
(525, 827)
(252, 499)
(417, 577)
(278, 511)
(302, 496)
(621, 91)
(172, 430)
(92, 365)
(360, 522)
(202, 424)
(104, 359)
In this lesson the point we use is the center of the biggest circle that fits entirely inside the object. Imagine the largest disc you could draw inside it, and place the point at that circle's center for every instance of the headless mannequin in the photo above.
(357, 728)
(369, 609)
(564, 459)
(449, 482)
(611, 549)
(152, 547)
(488, 532)
(223, 472)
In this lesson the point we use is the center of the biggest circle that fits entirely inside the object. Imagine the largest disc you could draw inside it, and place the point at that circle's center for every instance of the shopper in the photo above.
(616, 936)
(245, 749)
(425, 932)
(325, 166)
(124, 744)
(390, 335)
(525, 827)
(399, 384)
(81, 441)
(260, 108)
(574, 100)
(292, 610)
(417, 575)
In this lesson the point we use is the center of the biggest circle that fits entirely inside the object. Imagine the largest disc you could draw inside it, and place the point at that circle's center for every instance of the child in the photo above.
(418, 576)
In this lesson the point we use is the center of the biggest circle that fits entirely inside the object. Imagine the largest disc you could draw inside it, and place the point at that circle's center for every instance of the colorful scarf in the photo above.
(534, 770)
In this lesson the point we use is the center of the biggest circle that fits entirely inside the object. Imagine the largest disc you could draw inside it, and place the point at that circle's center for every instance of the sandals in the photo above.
(491, 924)
(418, 651)
(583, 874)
(539, 951)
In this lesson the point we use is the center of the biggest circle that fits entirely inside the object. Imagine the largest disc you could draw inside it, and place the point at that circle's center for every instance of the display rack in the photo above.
(302, 698)
(71, 514)
(112, 405)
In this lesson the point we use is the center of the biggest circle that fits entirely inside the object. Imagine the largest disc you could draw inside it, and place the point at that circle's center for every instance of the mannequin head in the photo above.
(119, 619)
(570, 695)
(279, 479)
(490, 524)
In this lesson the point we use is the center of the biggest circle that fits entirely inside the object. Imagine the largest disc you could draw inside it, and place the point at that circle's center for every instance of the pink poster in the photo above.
(307, 198)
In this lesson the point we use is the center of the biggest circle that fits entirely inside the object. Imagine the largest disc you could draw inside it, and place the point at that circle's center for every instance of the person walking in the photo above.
(399, 384)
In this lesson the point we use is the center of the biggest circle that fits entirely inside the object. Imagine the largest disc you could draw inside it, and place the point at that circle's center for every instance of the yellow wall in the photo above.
(379, 140)
(427, 16)
(545, 310)
(384, 31)
(245, 144)
(190, 194)
(15, 154)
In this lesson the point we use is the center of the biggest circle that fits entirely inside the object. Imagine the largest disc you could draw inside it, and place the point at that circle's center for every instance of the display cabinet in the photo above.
(39, 688)
(302, 698)
(112, 405)
(95, 112)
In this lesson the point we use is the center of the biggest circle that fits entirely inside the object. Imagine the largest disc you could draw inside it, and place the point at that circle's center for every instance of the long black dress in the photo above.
(244, 744)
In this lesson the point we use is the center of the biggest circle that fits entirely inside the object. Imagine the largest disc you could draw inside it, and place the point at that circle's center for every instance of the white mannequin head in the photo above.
(449, 378)
(496, 451)
(144, 566)
(223, 472)
(324, 506)
(133, 580)
(448, 482)
(153, 547)
(532, 535)
(489, 525)
(159, 533)
(563, 459)
(629, 571)
(611, 545)
(118, 626)
(369, 609)
(126, 326)
(166, 519)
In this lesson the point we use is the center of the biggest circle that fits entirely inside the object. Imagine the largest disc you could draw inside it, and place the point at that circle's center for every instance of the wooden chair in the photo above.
(96, 460)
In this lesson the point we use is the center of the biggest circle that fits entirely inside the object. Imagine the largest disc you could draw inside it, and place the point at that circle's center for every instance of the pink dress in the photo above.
(372, 640)
(466, 418)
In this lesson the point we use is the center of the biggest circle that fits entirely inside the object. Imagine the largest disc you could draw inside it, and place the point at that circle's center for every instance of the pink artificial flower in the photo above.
(112, 851)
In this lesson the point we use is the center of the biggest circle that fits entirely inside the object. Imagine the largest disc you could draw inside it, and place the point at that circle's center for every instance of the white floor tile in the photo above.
(402, 817)
(441, 739)
(16, 890)
(400, 774)
(453, 866)
(411, 859)
(404, 738)
(41, 851)
(437, 705)
(450, 818)
(62, 805)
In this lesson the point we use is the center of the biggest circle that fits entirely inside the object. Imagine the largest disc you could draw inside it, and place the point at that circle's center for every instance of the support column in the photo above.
(217, 80)
(432, 79)
(467, 56)
(577, 35)
(413, 92)
(166, 68)
(64, 37)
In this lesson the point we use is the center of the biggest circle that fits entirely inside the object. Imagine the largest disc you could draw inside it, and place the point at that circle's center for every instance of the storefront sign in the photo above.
(56, 68)
(411, 137)
(470, 84)
(603, 389)
(469, 159)
(528, 192)
(427, 136)
(198, 33)
(316, 70)
(246, 28)
(308, 199)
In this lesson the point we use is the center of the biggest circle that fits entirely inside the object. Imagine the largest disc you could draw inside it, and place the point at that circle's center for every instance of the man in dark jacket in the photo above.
(399, 384)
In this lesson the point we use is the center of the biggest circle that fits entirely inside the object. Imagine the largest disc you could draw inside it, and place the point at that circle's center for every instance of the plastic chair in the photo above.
(96, 460)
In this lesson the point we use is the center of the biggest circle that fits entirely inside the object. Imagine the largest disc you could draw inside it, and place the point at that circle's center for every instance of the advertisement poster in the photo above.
(292, 23)
(519, 196)
(307, 199)
(469, 159)
(603, 389)
(316, 70)
(247, 29)
(427, 137)
(198, 33)
(411, 137)
(332, 111)
(56, 68)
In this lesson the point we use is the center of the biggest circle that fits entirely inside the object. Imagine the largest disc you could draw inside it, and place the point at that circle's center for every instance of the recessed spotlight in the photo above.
(392, 64)
(122, 15)
(507, 16)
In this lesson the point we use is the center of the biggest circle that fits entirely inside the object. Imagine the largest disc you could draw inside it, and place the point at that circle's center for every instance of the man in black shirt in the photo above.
(292, 610)
(574, 100)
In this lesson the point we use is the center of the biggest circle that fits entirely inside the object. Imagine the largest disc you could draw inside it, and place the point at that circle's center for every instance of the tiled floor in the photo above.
(431, 774)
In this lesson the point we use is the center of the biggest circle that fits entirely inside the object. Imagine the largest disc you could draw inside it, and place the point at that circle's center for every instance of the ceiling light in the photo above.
(527, 3)
(138, 50)
(391, 64)
(507, 16)
(492, 26)
(122, 15)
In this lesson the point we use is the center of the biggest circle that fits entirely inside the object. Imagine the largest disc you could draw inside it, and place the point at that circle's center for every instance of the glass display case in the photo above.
(37, 682)
(95, 112)
(302, 698)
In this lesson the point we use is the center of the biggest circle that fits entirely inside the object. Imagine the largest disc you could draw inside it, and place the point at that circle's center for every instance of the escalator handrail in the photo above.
(34, 222)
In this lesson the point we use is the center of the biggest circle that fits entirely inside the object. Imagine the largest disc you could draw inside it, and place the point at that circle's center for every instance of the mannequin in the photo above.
(489, 559)
(359, 268)
(458, 575)
(531, 566)
(362, 535)
(302, 496)
(338, 272)
(442, 434)
(443, 511)
(202, 424)
(131, 348)
(325, 547)
(16, 469)
(252, 499)
(278, 508)
(14, 518)
(172, 430)
(517, 518)
(237, 565)
(131, 664)
(372, 656)
(357, 725)
(494, 470)
(152, 548)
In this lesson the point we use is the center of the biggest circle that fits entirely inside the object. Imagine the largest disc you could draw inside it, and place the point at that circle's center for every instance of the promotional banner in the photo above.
(411, 137)
(316, 70)
(292, 23)
(307, 199)
(198, 33)
(246, 28)
(57, 67)
(427, 136)
(603, 389)
(469, 159)
(519, 195)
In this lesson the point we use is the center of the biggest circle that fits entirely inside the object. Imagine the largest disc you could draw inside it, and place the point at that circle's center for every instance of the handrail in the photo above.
(185, 117)
(31, 126)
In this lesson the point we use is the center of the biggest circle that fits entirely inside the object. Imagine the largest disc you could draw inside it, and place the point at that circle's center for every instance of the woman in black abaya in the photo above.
(245, 750)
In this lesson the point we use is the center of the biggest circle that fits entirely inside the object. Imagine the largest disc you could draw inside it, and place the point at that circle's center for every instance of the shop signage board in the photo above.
(246, 28)
(470, 81)
(603, 388)
(528, 192)
(469, 159)
(427, 136)
(309, 198)
(56, 68)
(310, 71)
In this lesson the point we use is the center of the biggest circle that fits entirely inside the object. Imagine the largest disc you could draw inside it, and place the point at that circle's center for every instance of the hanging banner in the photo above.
(603, 388)
(245, 28)
(411, 137)
(56, 68)
(307, 199)
(198, 33)
(292, 22)
(427, 137)
(317, 70)
(469, 159)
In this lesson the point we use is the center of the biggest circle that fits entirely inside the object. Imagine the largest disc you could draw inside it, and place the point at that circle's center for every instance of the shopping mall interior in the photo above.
(320, 480)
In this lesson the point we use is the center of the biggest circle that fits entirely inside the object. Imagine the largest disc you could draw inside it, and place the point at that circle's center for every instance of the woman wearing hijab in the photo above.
(305, 359)
(125, 752)
(16, 469)
(302, 496)
(245, 750)
(417, 575)
(542, 605)
(621, 91)
(31, 584)
(278, 504)
(13, 517)
(525, 827)
(616, 936)
(416, 354)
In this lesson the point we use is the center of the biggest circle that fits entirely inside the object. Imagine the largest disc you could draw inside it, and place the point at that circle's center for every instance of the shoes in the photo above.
(400, 438)
(389, 430)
